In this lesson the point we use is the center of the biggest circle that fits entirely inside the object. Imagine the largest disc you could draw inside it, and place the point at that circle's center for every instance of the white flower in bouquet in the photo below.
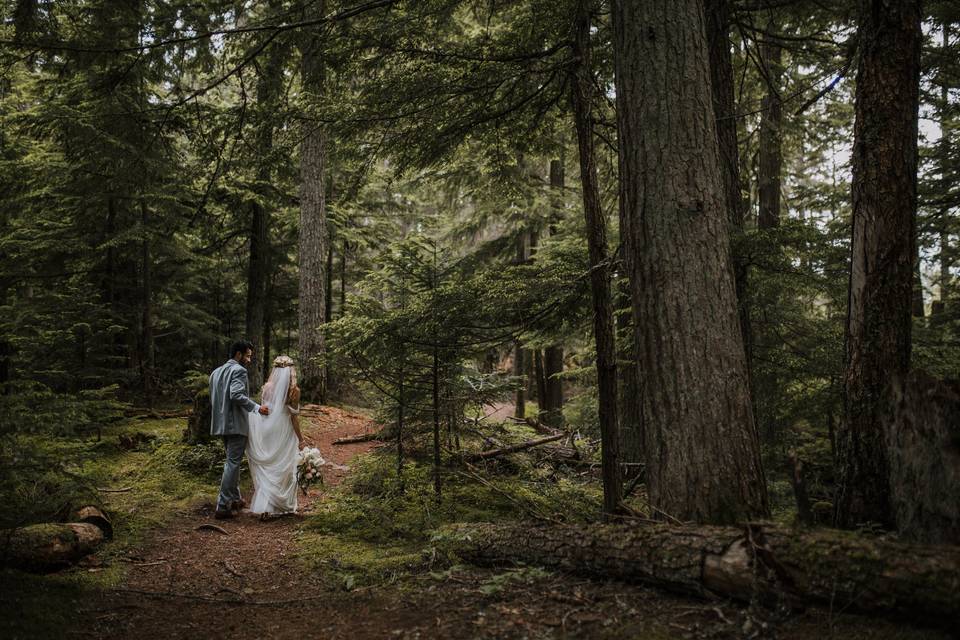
(308, 467)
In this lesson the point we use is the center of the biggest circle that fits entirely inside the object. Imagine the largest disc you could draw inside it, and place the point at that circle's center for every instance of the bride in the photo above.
(274, 442)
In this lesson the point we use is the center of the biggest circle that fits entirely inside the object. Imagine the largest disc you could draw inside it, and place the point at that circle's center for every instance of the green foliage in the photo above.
(375, 527)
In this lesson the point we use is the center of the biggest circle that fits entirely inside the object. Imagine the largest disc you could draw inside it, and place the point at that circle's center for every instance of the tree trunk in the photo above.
(258, 270)
(313, 223)
(631, 424)
(771, 120)
(883, 250)
(703, 458)
(582, 90)
(944, 152)
(827, 567)
(541, 378)
(553, 355)
(922, 428)
(717, 13)
(147, 363)
(916, 301)
(519, 372)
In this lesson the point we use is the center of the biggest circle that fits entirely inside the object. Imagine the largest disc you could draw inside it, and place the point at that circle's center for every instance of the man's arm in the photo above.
(238, 389)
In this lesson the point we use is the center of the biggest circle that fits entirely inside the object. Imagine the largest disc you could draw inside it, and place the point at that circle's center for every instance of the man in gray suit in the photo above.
(231, 406)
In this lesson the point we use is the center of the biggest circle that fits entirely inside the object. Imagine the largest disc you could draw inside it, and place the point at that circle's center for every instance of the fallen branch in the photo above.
(773, 563)
(496, 453)
(212, 527)
(362, 437)
(124, 490)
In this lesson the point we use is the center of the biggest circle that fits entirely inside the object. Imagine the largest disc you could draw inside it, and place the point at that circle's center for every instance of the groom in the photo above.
(231, 405)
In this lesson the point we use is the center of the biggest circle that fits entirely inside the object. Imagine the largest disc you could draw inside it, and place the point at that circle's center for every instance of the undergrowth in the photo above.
(46, 478)
(377, 527)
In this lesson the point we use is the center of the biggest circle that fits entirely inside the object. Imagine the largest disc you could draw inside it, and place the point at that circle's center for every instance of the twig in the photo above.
(125, 489)
(212, 527)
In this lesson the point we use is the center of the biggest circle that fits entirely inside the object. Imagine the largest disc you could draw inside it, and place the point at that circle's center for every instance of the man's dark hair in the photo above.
(240, 346)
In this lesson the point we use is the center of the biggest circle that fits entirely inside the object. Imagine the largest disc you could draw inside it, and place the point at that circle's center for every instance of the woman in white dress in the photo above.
(274, 442)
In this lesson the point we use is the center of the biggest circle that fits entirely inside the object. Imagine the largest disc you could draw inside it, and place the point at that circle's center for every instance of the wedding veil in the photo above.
(272, 447)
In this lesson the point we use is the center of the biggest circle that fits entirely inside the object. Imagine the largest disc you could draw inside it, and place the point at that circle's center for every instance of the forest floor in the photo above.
(255, 580)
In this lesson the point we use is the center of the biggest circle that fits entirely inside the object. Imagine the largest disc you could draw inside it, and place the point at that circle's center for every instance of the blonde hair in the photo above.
(293, 393)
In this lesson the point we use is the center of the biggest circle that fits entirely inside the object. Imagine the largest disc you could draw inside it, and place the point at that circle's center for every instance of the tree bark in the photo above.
(631, 423)
(717, 13)
(699, 433)
(922, 429)
(258, 268)
(827, 567)
(582, 90)
(944, 213)
(147, 363)
(553, 355)
(771, 120)
(313, 223)
(883, 250)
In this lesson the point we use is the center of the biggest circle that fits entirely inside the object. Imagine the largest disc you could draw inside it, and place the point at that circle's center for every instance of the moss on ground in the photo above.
(375, 528)
(160, 477)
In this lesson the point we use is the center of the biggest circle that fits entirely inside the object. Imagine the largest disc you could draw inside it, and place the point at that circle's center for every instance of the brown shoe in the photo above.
(238, 505)
(224, 514)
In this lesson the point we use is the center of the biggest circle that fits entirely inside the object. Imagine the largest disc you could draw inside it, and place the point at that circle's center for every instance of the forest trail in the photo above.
(248, 583)
(251, 583)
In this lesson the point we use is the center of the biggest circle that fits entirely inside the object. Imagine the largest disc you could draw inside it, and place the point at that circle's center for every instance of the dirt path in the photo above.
(261, 589)
(185, 583)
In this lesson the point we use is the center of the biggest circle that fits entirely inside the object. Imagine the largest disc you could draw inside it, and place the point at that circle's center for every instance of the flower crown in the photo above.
(283, 361)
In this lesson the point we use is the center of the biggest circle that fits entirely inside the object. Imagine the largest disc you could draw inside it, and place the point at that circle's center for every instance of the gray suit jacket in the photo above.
(229, 400)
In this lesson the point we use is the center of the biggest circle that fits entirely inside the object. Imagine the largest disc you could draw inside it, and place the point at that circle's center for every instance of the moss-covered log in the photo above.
(831, 567)
(46, 547)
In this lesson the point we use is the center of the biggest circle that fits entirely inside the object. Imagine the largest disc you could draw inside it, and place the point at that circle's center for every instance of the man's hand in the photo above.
(264, 410)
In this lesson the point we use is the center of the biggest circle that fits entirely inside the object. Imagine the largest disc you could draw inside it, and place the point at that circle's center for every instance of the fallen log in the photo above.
(47, 547)
(495, 453)
(774, 564)
(363, 437)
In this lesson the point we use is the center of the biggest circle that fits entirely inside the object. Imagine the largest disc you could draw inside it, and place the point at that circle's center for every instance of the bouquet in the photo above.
(308, 468)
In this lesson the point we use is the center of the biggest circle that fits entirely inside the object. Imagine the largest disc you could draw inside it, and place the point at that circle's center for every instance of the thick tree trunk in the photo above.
(703, 458)
(258, 269)
(883, 250)
(313, 223)
(827, 567)
(922, 429)
(582, 90)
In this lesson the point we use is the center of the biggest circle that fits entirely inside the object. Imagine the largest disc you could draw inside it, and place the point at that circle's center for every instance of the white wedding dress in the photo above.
(272, 449)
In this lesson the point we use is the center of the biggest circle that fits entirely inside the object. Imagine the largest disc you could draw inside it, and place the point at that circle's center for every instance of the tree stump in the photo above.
(198, 422)
(47, 547)
(923, 448)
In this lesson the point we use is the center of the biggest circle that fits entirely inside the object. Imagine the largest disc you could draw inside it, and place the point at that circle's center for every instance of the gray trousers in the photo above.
(230, 481)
